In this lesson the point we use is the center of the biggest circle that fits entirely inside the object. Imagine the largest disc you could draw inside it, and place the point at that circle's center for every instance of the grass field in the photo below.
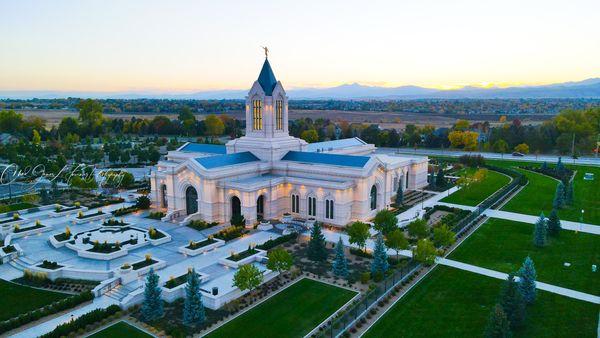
(477, 192)
(535, 197)
(455, 303)
(18, 299)
(121, 329)
(293, 312)
(502, 245)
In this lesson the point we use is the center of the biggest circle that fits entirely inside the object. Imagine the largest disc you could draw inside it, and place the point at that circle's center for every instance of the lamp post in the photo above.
(581, 220)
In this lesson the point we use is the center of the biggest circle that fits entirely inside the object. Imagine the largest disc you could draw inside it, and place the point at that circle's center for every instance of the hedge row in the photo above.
(58, 306)
(84, 320)
(270, 244)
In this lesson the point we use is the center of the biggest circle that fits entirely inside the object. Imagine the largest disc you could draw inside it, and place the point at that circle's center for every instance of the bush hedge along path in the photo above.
(293, 312)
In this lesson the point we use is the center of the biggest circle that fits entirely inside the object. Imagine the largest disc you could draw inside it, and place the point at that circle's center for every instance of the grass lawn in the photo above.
(502, 245)
(535, 197)
(455, 303)
(18, 299)
(586, 197)
(476, 193)
(121, 329)
(293, 312)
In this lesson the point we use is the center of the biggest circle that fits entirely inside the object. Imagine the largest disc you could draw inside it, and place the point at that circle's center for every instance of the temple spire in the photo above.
(266, 78)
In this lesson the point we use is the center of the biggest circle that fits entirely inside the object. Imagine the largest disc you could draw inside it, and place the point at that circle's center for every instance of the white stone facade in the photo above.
(271, 166)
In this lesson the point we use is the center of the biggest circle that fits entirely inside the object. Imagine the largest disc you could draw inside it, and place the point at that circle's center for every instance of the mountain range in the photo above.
(589, 88)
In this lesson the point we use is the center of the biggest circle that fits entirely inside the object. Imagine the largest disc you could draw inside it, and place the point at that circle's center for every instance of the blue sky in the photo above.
(179, 46)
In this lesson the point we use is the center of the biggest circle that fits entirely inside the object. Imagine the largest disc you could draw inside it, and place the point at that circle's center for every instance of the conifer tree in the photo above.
(441, 179)
(512, 302)
(559, 196)
(152, 307)
(539, 232)
(545, 165)
(316, 245)
(560, 167)
(340, 264)
(554, 226)
(498, 325)
(432, 179)
(193, 309)
(380, 263)
(527, 277)
(569, 194)
(399, 196)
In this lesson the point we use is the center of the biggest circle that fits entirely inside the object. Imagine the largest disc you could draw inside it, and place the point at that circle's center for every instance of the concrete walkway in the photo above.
(501, 275)
(417, 209)
(513, 216)
(45, 327)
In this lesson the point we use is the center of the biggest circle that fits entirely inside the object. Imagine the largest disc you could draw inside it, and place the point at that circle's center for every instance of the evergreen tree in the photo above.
(441, 179)
(527, 277)
(539, 232)
(569, 193)
(513, 303)
(152, 307)
(193, 309)
(559, 196)
(432, 179)
(340, 264)
(560, 167)
(380, 262)
(544, 166)
(399, 196)
(316, 245)
(554, 226)
(498, 325)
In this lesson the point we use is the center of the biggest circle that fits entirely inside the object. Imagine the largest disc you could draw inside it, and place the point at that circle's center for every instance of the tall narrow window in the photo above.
(295, 203)
(257, 114)
(329, 209)
(312, 206)
(373, 197)
(279, 114)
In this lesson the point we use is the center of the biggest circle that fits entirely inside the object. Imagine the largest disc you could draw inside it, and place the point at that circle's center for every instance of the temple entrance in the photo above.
(260, 207)
(191, 200)
(236, 207)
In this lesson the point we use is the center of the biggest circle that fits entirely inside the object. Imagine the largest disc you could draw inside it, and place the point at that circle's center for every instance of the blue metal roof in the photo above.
(204, 148)
(330, 159)
(336, 144)
(266, 78)
(225, 160)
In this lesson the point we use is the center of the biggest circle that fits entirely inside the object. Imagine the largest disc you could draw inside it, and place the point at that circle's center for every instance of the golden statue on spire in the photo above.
(266, 51)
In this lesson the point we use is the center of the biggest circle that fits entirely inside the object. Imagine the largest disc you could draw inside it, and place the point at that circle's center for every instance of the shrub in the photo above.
(365, 277)
(82, 322)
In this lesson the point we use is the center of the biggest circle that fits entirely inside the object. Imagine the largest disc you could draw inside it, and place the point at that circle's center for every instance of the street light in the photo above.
(581, 220)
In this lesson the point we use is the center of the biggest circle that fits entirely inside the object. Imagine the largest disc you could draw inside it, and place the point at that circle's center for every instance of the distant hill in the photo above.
(589, 88)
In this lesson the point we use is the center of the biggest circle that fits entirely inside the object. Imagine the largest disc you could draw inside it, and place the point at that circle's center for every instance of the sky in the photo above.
(186, 46)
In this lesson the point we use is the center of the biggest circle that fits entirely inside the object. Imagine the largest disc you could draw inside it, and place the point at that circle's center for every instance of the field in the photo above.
(456, 303)
(502, 245)
(535, 197)
(293, 312)
(477, 192)
(120, 329)
(18, 299)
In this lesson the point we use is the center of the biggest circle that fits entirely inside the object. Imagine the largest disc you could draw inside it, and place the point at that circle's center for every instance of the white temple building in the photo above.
(268, 173)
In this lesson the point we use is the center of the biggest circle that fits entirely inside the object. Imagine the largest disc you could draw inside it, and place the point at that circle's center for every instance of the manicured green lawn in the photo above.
(121, 329)
(293, 312)
(18, 299)
(455, 303)
(477, 192)
(586, 197)
(502, 245)
(535, 197)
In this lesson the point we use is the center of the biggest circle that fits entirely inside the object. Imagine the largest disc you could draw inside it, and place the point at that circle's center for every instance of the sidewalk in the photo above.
(51, 324)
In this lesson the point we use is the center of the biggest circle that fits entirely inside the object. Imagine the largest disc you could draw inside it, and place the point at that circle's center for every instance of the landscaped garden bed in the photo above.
(195, 248)
(201, 225)
(37, 225)
(237, 259)
(61, 210)
(230, 233)
(10, 220)
(125, 210)
(243, 254)
(49, 265)
(143, 263)
(9, 249)
(156, 215)
(114, 223)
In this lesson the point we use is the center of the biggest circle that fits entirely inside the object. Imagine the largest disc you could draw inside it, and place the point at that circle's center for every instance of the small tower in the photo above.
(267, 134)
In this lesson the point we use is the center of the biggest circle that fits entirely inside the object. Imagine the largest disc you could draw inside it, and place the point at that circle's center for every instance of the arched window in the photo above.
(260, 207)
(257, 114)
(191, 200)
(163, 195)
(236, 206)
(295, 203)
(279, 114)
(373, 197)
(312, 206)
(329, 209)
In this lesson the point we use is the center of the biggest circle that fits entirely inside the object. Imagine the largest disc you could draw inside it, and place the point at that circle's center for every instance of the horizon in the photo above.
(184, 47)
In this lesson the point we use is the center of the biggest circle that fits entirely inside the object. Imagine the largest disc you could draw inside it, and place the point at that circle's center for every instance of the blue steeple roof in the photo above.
(266, 78)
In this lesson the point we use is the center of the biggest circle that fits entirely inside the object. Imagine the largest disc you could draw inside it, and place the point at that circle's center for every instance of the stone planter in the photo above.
(310, 222)
(189, 252)
(236, 264)
(287, 218)
(264, 226)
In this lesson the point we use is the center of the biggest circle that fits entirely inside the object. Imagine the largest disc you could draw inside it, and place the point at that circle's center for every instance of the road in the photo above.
(532, 158)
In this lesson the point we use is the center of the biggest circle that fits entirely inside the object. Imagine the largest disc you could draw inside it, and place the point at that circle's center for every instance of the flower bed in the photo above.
(36, 226)
(241, 255)
(9, 249)
(201, 225)
(125, 211)
(142, 264)
(230, 233)
(270, 244)
(175, 282)
(114, 223)
(196, 248)
(10, 220)
(82, 216)
(156, 215)
(238, 259)
(49, 265)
